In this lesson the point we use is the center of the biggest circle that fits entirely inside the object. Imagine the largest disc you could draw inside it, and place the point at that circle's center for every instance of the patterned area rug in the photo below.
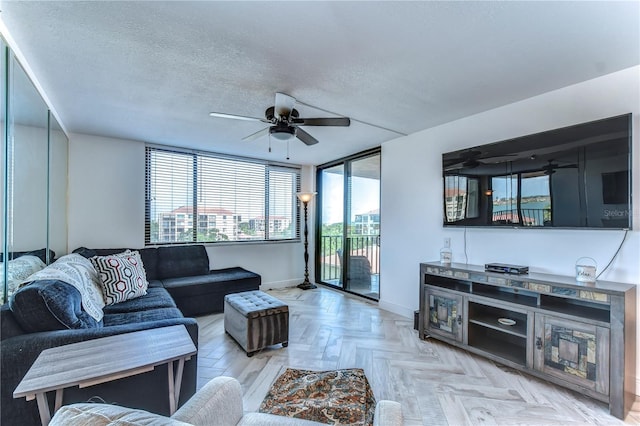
(338, 397)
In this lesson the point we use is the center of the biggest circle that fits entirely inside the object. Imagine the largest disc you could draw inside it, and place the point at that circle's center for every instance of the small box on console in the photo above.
(504, 268)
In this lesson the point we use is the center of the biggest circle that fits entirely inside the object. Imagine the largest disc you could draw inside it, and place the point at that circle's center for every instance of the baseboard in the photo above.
(387, 306)
(396, 309)
(280, 284)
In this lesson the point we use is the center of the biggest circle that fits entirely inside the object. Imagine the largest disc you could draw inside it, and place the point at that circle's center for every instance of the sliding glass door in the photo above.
(348, 251)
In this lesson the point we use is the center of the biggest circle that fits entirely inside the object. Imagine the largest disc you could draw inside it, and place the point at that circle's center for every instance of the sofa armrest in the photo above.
(388, 413)
(83, 414)
(218, 402)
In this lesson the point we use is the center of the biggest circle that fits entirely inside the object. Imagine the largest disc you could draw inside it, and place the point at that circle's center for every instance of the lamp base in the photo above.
(307, 285)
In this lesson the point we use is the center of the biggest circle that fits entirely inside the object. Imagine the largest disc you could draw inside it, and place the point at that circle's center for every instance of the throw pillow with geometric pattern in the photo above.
(122, 276)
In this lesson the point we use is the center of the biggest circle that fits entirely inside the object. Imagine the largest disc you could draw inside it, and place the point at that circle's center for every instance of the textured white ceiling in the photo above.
(152, 71)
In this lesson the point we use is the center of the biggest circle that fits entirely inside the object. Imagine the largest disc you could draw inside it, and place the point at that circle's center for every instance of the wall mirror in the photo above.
(28, 142)
(34, 176)
(58, 166)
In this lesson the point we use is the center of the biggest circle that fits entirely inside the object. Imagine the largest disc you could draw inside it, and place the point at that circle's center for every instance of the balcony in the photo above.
(363, 265)
(530, 217)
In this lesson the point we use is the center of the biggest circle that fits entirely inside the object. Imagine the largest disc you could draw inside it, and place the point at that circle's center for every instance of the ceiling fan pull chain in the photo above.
(269, 142)
(288, 149)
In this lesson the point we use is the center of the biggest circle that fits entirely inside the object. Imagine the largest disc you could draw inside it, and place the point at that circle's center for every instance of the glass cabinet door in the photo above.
(444, 315)
(573, 351)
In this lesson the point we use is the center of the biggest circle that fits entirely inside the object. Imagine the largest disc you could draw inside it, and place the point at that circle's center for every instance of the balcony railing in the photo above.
(530, 217)
(331, 250)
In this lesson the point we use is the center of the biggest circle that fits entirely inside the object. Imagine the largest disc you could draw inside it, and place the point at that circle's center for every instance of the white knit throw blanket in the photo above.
(77, 271)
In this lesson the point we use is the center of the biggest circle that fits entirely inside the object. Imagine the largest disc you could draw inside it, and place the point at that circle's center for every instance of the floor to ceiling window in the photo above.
(348, 243)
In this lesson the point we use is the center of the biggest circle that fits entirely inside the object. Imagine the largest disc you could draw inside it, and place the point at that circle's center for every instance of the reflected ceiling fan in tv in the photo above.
(573, 177)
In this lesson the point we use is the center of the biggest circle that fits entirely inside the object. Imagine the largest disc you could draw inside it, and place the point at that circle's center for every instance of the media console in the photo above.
(577, 335)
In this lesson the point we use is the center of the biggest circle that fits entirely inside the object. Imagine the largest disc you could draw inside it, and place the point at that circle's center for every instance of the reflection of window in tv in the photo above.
(461, 198)
(473, 198)
(615, 187)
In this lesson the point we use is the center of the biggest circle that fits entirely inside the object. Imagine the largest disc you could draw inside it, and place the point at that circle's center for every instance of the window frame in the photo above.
(195, 180)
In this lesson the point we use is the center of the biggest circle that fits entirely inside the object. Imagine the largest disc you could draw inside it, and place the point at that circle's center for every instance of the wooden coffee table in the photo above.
(105, 359)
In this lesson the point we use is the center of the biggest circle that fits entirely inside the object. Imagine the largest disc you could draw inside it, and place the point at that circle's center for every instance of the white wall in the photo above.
(106, 209)
(411, 205)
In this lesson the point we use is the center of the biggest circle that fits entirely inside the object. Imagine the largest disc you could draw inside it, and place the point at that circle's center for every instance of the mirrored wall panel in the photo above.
(34, 178)
(29, 140)
(58, 166)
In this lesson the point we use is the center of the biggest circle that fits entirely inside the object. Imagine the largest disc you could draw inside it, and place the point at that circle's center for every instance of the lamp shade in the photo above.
(305, 197)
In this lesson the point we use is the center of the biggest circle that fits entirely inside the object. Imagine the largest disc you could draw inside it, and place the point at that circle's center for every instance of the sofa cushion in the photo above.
(85, 252)
(202, 284)
(149, 257)
(47, 305)
(9, 326)
(135, 317)
(83, 414)
(150, 261)
(156, 297)
(182, 261)
(204, 294)
(154, 283)
(122, 275)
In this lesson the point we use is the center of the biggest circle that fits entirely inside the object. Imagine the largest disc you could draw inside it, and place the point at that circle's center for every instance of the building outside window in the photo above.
(206, 197)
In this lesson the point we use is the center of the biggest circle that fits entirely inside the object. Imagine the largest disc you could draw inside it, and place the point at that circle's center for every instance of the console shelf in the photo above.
(503, 345)
(506, 294)
(576, 308)
(490, 317)
(581, 336)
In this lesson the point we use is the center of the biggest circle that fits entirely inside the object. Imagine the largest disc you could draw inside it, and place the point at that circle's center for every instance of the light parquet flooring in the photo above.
(436, 384)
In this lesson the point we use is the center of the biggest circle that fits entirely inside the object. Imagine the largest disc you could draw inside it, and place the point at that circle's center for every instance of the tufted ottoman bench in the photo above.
(256, 320)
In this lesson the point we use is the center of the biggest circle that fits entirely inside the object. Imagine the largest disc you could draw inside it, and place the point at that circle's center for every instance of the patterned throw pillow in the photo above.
(122, 276)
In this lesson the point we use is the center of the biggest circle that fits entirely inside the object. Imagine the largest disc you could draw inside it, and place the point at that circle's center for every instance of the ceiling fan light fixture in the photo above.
(282, 133)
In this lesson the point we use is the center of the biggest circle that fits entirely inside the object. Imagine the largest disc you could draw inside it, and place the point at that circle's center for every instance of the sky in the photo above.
(365, 197)
(531, 186)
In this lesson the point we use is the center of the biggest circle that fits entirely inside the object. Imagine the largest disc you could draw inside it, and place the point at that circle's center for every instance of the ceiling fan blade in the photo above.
(336, 121)
(256, 135)
(284, 105)
(305, 137)
(236, 117)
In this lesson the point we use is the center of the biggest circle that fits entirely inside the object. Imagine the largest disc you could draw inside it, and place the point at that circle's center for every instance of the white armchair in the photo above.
(218, 403)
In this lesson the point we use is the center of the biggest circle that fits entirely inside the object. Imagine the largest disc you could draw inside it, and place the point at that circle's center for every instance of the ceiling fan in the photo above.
(467, 158)
(285, 121)
(472, 158)
(551, 167)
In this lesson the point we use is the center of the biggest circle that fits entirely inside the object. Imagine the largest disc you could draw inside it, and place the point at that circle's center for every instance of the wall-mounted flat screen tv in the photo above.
(574, 177)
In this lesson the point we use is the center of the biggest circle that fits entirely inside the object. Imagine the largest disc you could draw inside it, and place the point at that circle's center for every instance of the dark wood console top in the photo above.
(476, 272)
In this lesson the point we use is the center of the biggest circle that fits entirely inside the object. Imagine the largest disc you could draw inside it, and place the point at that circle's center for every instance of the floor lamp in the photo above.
(305, 197)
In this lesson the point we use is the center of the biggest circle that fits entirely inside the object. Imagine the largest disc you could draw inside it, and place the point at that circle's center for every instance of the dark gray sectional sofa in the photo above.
(184, 272)
(180, 285)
